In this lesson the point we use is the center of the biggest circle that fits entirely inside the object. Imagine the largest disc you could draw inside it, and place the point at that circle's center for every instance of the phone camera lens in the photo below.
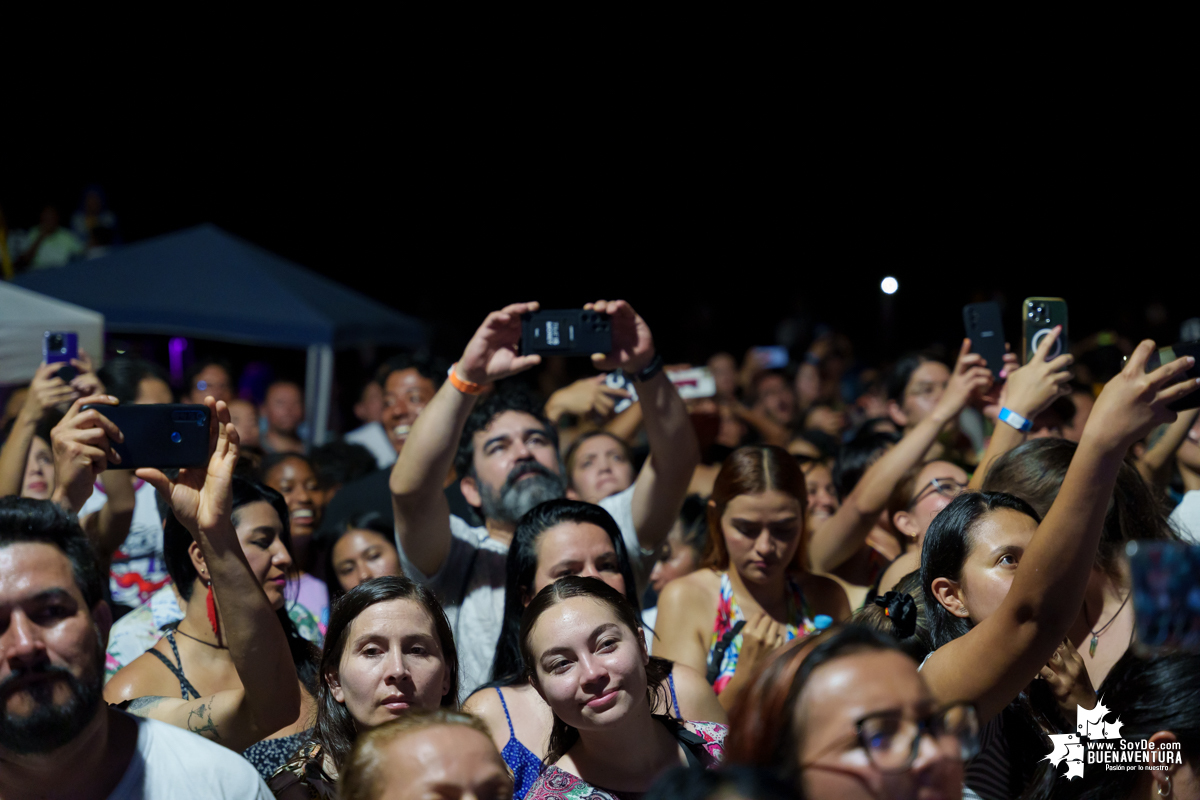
(175, 437)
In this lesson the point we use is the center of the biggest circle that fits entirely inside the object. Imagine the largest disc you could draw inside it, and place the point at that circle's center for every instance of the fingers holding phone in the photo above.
(83, 444)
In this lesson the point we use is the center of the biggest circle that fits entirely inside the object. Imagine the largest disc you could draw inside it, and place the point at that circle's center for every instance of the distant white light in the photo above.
(889, 285)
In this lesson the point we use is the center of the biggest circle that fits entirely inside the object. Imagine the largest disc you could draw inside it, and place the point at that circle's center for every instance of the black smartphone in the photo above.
(1166, 596)
(1165, 355)
(568, 332)
(166, 436)
(986, 332)
(1040, 316)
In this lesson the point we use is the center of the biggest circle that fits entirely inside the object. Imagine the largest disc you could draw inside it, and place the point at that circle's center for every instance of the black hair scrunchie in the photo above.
(901, 609)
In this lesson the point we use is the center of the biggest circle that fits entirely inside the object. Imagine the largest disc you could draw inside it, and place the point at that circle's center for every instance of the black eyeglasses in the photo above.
(892, 740)
(946, 487)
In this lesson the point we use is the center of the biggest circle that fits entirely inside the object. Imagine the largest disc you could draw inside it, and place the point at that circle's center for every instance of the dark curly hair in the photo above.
(495, 404)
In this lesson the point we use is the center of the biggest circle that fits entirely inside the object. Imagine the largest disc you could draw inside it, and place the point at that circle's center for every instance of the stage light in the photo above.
(889, 285)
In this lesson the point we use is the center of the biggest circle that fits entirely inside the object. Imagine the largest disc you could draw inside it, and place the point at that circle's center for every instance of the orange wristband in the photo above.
(466, 387)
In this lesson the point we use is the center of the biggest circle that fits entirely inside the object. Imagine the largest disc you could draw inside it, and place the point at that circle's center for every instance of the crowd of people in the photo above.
(799, 584)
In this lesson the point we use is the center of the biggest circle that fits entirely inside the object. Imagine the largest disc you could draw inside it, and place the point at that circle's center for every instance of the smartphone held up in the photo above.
(565, 332)
(166, 436)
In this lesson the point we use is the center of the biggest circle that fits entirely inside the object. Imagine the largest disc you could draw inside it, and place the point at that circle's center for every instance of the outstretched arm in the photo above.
(422, 513)
(202, 500)
(45, 392)
(1154, 462)
(998, 657)
(674, 452)
(845, 533)
(1029, 391)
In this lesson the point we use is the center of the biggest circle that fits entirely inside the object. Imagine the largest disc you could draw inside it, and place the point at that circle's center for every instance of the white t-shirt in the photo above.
(470, 587)
(1185, 519)
(373, 437)
(138, 569)
(173, 764)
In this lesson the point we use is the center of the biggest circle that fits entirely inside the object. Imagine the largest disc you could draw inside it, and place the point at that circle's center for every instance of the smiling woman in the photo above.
(585, 652)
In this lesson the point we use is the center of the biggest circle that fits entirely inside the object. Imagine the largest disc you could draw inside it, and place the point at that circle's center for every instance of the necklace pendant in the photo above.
(1092, 646)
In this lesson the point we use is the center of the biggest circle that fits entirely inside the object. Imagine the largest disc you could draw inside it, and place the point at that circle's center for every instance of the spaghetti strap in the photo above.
(674, 699)
(185, 686)
(511, 733)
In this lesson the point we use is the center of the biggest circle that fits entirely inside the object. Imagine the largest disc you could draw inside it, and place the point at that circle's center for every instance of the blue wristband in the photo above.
(1016, 420)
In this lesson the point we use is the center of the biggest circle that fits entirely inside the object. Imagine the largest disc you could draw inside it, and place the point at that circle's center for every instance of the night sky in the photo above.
(713, 256)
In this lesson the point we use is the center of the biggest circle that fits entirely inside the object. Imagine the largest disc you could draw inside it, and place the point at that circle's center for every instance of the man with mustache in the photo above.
(506, 455)
(57, 737)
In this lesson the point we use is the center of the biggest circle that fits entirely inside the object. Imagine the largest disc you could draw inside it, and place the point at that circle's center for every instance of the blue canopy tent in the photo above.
(206, 283)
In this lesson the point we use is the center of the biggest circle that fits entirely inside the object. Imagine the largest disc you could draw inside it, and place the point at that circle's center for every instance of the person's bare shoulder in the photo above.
(826, 596)
(141, 678)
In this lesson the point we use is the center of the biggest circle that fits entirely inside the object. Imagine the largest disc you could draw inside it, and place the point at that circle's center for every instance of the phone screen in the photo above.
(772, 356)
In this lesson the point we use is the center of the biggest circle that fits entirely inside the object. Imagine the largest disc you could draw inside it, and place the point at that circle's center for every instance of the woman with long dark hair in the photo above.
(1034, 472)
(356, 550)
(388, 649)
(555, 540)
(1004, 587)
(217, 659)
(585, 652)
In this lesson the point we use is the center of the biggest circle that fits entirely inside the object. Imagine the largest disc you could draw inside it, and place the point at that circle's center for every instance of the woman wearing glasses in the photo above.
(923, 491)
(848, 544)
(847, 715)
(1005, 590)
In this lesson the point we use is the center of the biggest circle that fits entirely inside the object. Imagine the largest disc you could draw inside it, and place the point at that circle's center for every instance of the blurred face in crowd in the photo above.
(576, 548)
(245, 419)
(589, 667)
(361, 554)
(284, 408)
(51, 650)
(1188, 455)
(921, 395)
(516, 467)
(294, 479)
(859, 685)
(1083, 401)
(762, 532)
(260, 532)
(824, 418)
(600, 469)
(39, 480)
(938, 483)
(153, 390)
(443, 762)
(997, 543)
(675, 559)
(405, 395)
(725, 373)
(822, 496)
(775, 398)
(369, 407)
(392, 662)
(212, 381)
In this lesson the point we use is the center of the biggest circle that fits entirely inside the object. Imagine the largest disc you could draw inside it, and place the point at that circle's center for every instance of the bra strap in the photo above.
(512, 733)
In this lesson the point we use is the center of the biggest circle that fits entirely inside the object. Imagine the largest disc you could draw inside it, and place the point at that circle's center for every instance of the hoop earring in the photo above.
(1167, 793)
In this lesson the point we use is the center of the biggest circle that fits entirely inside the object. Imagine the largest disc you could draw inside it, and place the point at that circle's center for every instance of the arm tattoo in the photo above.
(141, 706)
(200, 720)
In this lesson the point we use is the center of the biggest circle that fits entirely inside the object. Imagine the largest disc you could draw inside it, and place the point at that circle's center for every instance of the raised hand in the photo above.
(759, 638)
(971, 379)
(202, 499)
(1135, 401)
(1032, 388)
(493, 352)
(1068, 679)
(633, 344)
(47, 391)
(82, 446)
(586, 396)
(86, 382)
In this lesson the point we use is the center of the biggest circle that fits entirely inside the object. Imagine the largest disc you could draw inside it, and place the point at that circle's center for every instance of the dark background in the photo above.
(714, 252)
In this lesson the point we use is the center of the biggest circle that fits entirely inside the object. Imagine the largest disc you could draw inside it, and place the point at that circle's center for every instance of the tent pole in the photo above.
(324, 393)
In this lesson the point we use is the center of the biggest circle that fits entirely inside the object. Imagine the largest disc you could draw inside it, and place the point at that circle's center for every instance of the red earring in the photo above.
(212, 614)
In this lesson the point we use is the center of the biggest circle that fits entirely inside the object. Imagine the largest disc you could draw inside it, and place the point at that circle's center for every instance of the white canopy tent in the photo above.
(25, 316)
